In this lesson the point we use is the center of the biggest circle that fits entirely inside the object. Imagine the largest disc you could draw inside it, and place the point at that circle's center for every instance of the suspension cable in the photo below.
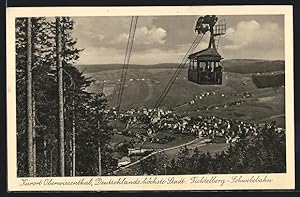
(129, 47)
(178, 70)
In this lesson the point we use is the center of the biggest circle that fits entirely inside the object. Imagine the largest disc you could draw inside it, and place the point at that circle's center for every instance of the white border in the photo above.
(280, 180)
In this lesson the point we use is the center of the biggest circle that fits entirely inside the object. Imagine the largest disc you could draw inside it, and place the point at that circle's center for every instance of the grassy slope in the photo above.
(264, 106)
(245, 66)
(145, 93)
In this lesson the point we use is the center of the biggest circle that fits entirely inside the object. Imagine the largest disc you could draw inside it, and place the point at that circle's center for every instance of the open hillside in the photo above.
(93, 68)
(246, 66)
(145, 83)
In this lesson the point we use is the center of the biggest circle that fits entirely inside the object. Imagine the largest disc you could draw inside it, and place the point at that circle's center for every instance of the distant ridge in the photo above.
(242, 66)
(245, 66)
(91, 68)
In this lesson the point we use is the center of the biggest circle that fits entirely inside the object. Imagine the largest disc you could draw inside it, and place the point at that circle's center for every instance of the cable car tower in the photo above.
(205, 65)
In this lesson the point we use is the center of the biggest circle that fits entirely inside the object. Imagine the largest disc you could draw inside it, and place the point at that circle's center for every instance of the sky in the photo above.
(166, 39)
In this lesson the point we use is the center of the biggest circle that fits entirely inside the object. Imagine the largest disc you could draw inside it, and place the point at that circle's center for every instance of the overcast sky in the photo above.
(163, 39)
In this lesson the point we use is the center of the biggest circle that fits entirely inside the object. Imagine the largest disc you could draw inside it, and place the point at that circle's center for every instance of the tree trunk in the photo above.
(74, 138)
(61, 138)
(46, 169)
(70, 152)
(29, 101)
(51, 163)
(99, 160)
(99, 149)
(34, 135)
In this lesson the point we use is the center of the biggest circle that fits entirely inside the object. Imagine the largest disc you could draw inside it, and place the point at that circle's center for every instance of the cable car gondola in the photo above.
(205, 66)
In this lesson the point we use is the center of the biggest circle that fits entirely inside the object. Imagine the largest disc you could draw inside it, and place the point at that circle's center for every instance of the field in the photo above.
(145, 83)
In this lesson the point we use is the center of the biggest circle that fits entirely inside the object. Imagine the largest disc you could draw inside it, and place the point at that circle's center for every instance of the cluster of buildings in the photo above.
(153, 121)
(233, 103)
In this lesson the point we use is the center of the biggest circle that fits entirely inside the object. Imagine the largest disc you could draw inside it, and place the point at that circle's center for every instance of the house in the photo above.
(124, 161)
(140, 151)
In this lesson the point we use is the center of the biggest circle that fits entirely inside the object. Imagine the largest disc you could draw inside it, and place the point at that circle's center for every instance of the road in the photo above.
(156, 152)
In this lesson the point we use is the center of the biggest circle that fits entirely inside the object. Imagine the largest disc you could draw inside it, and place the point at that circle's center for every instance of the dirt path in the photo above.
(156, 152)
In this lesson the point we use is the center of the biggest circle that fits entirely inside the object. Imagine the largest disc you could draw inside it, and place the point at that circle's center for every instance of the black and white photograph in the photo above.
(162, 95)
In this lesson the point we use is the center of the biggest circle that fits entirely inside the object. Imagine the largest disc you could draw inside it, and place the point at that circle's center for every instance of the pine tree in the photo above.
(172, 167)
(38, 69)
(21, 42)
(149, 166)
(184, 161)
(29, 99)
(61, 127)
(77, 103)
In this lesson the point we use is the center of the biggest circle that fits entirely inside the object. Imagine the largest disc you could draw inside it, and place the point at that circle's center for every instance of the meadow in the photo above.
(145, 83)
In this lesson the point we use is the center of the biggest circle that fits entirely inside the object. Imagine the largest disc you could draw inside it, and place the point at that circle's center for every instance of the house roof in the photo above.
(209, 54)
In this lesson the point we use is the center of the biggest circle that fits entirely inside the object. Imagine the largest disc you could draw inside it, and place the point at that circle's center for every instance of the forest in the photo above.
(38, 127)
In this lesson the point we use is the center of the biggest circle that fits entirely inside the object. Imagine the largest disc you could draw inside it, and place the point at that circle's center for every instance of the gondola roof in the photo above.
(209, 54)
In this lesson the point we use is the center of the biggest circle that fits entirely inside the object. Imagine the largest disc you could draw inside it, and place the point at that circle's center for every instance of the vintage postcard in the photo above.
(150, 98)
